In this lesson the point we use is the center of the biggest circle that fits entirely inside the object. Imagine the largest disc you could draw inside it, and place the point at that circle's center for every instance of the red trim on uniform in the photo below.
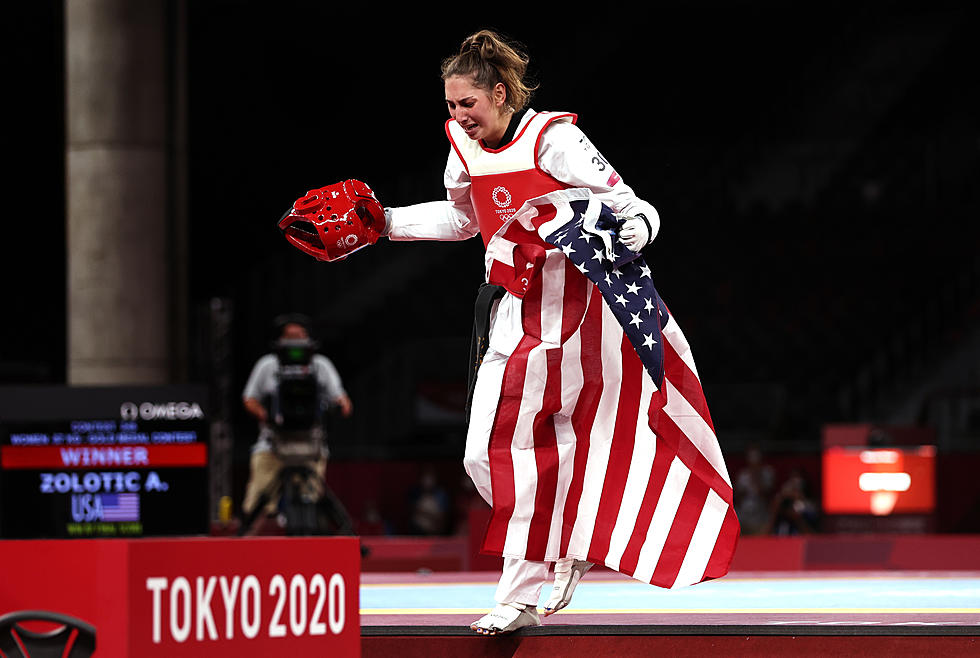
(537, 142)
(523, 184)
(516, 139)
(456, 148)
(527, 124)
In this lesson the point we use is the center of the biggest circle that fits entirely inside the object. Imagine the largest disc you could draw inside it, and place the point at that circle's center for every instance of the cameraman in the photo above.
(265, 399)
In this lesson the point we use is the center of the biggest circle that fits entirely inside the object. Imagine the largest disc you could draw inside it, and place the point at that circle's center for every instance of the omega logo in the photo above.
(160, 410)
(501, 196)
(128, 411)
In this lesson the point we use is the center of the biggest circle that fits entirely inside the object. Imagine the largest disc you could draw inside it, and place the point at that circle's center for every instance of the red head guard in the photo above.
(334, 221)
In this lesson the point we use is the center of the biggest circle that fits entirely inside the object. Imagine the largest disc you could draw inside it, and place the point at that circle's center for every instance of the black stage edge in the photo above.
(735, 629)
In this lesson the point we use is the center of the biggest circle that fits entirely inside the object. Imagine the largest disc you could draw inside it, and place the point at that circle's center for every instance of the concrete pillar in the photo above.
(120, 210)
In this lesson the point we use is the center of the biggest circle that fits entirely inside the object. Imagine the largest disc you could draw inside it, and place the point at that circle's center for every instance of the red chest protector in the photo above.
(501, 180)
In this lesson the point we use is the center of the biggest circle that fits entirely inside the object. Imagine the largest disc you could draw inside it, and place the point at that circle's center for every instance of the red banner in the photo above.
(115, 456)
(263, 596)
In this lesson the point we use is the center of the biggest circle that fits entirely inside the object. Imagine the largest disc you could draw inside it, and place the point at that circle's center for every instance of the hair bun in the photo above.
(482, 43)
(491, 59)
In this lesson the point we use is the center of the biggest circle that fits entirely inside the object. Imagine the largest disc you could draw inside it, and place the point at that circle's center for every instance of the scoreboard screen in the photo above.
(879, 481)
(87, 462)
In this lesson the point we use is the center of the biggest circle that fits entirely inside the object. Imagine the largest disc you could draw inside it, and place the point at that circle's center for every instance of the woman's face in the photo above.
(481, 114)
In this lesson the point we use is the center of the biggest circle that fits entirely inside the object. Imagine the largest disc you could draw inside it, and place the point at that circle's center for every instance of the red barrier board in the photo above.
(259, 596)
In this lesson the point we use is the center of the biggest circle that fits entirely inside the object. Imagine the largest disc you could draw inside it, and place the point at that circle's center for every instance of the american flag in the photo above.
(603, 447)
(120, 507)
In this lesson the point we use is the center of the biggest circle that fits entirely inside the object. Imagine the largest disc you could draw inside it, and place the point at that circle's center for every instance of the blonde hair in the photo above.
(489, 58)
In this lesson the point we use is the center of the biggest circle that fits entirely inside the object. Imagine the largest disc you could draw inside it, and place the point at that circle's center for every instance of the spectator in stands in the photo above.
(371, 521)
(466, 496)
(430, 506)
(753, 491)
(793, 512)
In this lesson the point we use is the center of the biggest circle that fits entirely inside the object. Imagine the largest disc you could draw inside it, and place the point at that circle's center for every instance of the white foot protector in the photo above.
(568, 572)
(506, 618)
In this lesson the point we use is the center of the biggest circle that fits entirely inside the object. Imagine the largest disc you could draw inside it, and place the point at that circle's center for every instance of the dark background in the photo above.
(815, 165)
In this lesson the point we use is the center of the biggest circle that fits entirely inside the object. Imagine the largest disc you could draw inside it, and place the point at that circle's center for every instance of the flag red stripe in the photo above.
(655, 486)
(724, 549)
(582, 318)
(621, 451)
(685, 381)
(501, 462)
(689, 455)
(502, 274)
(546, 459)
(585, 409)
(546, 213)
(681, 532)
(566, 312)
(505, 422)
(576, 298)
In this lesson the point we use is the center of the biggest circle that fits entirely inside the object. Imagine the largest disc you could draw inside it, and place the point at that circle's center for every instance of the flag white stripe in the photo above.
(641, 464)
(525, 480)
(522, 456)
(600, 438)
(621, 513)
(563, 213)
(552, 298)
(572, 378)
(703, 541)
(561, 201)
(672, 334)
(522, 449)
(687, 418)
(588, 505)
(663, 519)
(572, 381)
(500, 249)
(488, 386)
(566, 464)
(694, 427)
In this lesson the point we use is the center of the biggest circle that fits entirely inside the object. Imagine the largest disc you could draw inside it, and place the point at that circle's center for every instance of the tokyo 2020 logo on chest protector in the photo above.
(501, 196)
(502, 199)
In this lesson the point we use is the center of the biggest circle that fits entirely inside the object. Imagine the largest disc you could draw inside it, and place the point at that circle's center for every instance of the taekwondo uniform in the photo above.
(533, 441)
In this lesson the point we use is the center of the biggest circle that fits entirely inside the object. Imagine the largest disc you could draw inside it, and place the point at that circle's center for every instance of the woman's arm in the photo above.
(452, 219)
(568, 155)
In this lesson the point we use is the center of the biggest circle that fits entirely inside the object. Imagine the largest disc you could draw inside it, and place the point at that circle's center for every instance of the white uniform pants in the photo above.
(521, 580)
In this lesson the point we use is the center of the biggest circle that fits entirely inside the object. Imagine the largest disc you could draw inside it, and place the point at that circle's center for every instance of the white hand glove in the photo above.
(635, 231)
